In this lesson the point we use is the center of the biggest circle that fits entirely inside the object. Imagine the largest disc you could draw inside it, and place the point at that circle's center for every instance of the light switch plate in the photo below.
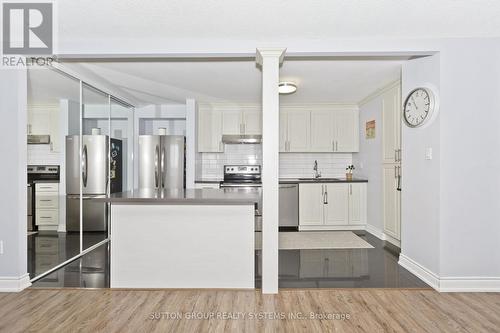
(428, 154)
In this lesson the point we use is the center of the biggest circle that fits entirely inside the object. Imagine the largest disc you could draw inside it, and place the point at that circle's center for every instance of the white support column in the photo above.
(191, 140)
(13, 197)
(270, 59)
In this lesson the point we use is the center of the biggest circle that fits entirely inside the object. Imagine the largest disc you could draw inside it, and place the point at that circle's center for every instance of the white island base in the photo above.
(182, 246)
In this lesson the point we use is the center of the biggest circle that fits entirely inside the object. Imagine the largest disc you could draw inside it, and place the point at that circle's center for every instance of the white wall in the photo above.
(368, 161)
(420, 196)
(470, 161)
(13, 196)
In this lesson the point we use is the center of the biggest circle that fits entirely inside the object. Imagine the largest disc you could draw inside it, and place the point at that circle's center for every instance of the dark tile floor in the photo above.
(353, 268)
(89, 271)
(47, 249)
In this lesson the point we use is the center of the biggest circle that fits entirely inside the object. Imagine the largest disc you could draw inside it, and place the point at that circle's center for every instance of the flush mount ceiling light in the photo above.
(287, 88)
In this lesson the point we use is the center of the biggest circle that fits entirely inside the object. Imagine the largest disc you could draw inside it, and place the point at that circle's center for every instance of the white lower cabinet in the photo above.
(47, 204)
(392, 201)
(336, 205)
(332, 206)
(311, 206)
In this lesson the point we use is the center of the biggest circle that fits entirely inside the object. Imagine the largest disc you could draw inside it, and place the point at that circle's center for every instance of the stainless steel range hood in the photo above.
(242, 139)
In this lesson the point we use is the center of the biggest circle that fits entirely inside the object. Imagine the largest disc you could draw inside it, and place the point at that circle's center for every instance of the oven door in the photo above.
(245, 188)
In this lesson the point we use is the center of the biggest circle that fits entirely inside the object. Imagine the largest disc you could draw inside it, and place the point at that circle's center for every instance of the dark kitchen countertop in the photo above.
(208, 181)
(45, 181)
(183, 197)
(321, 180)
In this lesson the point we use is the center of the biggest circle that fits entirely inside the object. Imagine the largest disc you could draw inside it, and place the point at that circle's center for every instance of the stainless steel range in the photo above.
(244, 178)
(241, 176)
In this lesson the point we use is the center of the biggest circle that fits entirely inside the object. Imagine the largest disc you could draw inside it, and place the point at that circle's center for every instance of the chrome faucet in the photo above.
(315, 168)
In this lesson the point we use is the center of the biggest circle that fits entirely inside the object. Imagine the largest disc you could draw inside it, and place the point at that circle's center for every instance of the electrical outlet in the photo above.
(1, 246)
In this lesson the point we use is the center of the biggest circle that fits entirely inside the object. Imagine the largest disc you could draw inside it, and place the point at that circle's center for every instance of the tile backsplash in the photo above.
(292, 165)
(296, 165)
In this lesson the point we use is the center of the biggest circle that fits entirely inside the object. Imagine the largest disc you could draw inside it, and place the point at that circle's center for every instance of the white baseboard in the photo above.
(469, 284)
(14, 284)
(332, 227)
(423, 273)
(382, 236)
(375, 231)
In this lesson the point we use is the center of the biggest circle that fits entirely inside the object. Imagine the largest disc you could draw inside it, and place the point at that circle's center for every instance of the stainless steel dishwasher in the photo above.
(289, 205)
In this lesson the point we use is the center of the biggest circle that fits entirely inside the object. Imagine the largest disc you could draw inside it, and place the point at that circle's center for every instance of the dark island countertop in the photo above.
(184, 197)
(207, 181)
(320, 180)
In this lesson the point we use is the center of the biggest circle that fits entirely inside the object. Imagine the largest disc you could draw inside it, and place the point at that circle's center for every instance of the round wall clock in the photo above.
(419, 107)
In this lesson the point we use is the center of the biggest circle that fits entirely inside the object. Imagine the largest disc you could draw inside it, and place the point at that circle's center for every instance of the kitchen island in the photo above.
(194, 238)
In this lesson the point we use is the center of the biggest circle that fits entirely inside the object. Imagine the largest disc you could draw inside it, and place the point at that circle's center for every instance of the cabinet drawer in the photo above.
(46, 187)
(47, 217)
(47, 200)
(46, 245)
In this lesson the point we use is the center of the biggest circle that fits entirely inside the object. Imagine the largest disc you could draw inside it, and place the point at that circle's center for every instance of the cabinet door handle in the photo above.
(350, 189)
(325, 196)
(336, 146)
(333, 145)
(399, 179)
(395, 171)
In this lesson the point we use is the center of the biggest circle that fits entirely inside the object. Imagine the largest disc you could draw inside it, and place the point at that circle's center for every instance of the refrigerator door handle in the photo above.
(85, 165)
(162, 165)
(157, 153)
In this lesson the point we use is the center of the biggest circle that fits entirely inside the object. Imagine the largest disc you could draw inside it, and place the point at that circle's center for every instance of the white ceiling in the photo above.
(319, 81)
(198, 21)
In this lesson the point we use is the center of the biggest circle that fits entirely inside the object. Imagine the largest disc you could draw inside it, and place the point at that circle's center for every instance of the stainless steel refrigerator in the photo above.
(161, 162)
(95, 165)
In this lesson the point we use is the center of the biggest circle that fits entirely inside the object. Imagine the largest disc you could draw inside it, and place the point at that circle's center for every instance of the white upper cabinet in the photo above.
(283, 132)
(210, 130)
(322, 130)
(44, 120)
(252, 122)
(391, 120)
(231, 122)
(238, 121)
(346, 131)
(319, 129)
(216, 120)
(298, 123)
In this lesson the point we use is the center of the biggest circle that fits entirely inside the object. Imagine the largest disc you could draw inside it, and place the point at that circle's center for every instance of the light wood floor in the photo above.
(369, 310)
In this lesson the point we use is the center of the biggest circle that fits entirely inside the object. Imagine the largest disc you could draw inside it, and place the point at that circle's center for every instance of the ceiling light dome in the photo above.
(287, 88)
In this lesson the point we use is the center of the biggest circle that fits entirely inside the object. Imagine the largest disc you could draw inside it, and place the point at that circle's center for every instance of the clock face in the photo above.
(418, 107)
